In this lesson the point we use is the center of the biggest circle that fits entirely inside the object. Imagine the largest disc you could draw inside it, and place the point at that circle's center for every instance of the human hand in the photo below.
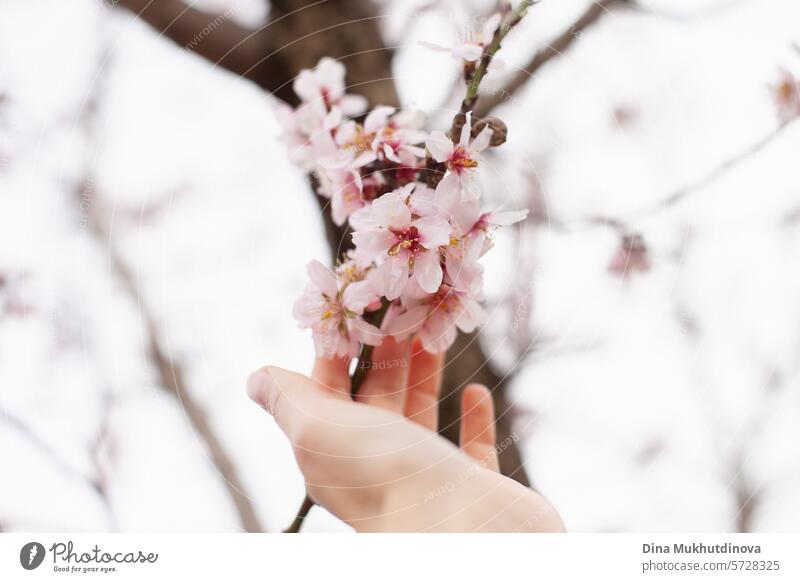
(378, 464)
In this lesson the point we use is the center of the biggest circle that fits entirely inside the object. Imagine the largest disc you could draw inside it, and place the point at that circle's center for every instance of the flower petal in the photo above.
(407, 322)
(435, 47)
(373, 240)
(358, 295)
(507, 217)
(365, 332)
(322, 278)
(391, 210)
(468, 52)
(490, 27)
(353, 105)
(466, 131)
(440, 146)
(482, 141)
(435, 231)
(391, 278)
(378, 118)
(428, 271)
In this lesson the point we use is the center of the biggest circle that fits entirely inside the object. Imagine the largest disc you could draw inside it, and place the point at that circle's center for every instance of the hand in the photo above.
(378, 464)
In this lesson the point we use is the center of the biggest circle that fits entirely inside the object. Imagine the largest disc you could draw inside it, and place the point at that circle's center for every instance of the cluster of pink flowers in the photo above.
(412, 200)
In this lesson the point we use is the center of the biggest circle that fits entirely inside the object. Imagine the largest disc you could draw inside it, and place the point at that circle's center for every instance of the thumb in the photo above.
(288, 396)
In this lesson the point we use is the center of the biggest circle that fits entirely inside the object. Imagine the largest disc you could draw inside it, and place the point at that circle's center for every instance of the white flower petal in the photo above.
(365, 332)
(358, 295)
(440, 146)
(428, 271)
(466, 131)
(468, 52)
(435, 231)
(374, 240)
(507, 217)
(435, 47)
(406, 323)
(391, 210)
(322, 278)
(353, 105)
(481, 142)
(378, 118)
(490, 27)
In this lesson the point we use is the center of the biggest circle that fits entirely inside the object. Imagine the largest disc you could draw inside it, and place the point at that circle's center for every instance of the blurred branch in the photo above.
(556, 48)
(215, 37)
(23, 429)
(299, 33)
(172, 379)
(622, 225)
(727, 165)
(170, 374)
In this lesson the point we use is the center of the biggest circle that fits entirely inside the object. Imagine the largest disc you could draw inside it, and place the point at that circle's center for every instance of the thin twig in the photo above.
(171, 379)
(476, 76)
(622, 225)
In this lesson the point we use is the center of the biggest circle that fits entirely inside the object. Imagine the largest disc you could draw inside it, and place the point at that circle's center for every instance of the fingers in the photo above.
(386, 381)
(333, 375)
(478, 436)
(424, 384)
(289, 397)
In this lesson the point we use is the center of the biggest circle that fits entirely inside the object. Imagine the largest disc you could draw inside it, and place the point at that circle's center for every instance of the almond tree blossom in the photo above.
(333, 309)
(461, 159)
(418, 228)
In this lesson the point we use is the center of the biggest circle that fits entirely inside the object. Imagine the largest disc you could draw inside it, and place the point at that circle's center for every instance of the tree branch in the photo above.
(622, 225)
(299, 33)
(171, 379)
(215, 37)
(556, 48)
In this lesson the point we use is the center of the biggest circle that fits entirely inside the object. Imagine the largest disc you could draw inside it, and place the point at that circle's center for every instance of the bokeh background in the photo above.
(153, 236)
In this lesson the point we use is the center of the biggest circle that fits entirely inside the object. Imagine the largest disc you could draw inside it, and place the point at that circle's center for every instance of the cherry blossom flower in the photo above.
(472, 49)
(461, 159)
(345, 189)
(322, 89)
(436, 318)
(402, 244)
(396, 135)
(334, 313)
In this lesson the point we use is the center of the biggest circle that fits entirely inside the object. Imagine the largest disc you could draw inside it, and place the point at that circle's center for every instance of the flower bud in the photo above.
(499, 130)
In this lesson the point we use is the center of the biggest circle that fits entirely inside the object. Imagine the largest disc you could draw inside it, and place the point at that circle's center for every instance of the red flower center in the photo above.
(460, 160)
(407, 238)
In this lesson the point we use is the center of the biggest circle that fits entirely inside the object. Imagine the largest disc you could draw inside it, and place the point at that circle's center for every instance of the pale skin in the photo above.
(377, 462)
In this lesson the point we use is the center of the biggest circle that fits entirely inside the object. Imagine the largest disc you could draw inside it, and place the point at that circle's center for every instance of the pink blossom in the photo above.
(345, 188)
(395, 135)
(436, 318)
(334, 312)
(461, 159)
(323, 89)
(402, 244)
